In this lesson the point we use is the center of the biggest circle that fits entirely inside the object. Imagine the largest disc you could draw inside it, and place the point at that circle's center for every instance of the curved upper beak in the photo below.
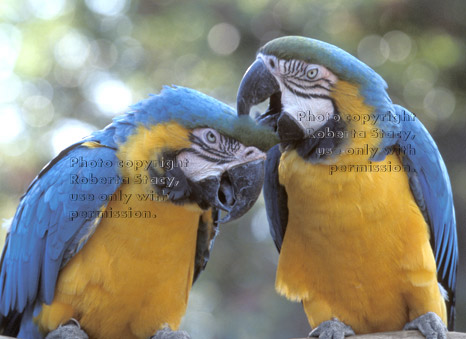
(236, 190)
(258, 84)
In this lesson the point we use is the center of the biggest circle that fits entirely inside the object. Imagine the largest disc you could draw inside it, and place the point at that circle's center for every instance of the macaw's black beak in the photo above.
(236, 190)
(258, 84)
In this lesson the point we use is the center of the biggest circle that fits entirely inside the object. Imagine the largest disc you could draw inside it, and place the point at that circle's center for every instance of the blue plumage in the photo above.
(431, 188)
(49, 228)
(192, 109)
(429, 183)
(276, 199)
(42, 225)
(305, 79)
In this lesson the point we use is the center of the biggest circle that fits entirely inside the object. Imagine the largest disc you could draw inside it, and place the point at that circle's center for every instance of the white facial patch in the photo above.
(312, 117)
(212, 153)
(306, 90)
(198, 168)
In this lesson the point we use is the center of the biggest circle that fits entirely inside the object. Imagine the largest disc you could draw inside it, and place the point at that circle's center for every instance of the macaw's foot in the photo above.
(70, 330)
(430, 325)
(332, 329)
(167, 333)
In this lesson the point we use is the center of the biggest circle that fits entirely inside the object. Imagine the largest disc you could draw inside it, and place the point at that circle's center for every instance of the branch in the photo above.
(404, 334)
(384, 335)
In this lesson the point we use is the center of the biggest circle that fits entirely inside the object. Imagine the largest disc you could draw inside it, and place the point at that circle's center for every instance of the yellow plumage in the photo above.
(133, 276)
(362, 242)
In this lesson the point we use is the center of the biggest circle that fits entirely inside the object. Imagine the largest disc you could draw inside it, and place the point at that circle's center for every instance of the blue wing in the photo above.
(431, 188)
(50, 225)
(206, 233)
(276, 199)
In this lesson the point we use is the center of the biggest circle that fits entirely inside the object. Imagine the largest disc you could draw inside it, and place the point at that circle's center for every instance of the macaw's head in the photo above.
(310, 83)
(199, 151)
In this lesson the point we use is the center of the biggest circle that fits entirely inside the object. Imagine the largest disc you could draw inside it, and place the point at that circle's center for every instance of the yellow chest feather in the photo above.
(356, 245)
(361, 241)
(133, 276)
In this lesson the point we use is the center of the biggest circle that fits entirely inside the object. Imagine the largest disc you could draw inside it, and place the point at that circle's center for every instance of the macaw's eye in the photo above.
(210, 136)
(272, 63)
(311, 74)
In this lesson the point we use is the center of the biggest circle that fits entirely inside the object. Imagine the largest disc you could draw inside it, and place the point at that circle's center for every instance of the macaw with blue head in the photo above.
(113, 232)
(357, 195)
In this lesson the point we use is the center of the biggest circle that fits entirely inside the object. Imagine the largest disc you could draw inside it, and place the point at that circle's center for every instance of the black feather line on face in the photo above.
(207, 158)
(327, 81)
(302, 69)
(286, 67)
(306, 95)
(294, 68)
(295, 64)
(228, 145)
(304, 87)
(224, 152)
(220, 153)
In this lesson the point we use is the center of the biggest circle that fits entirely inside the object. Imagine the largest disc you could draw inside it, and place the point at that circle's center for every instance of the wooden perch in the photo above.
(404, 334)
(384, 335)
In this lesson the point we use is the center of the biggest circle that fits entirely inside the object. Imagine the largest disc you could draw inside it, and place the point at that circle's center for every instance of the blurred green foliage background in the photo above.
(68, 66)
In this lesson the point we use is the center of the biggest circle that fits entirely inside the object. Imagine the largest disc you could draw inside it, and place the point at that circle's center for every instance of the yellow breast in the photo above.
(355, 245)
(134, 274)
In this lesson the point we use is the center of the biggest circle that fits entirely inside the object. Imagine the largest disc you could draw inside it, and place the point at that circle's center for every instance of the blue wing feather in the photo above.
(275, 197)
(429, 184)
(43, 237)
(42, 230)
(431, 188)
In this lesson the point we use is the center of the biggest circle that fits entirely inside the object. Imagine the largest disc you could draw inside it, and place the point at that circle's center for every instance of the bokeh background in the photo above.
(68, 66)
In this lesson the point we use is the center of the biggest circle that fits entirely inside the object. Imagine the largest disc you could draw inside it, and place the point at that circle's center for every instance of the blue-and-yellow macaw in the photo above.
(114, 230)
(357, 195)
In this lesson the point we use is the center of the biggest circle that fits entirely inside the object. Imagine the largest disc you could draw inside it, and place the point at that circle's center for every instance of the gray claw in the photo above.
(70, 330)
(430, 325)
(332, 329)
(167, 333)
